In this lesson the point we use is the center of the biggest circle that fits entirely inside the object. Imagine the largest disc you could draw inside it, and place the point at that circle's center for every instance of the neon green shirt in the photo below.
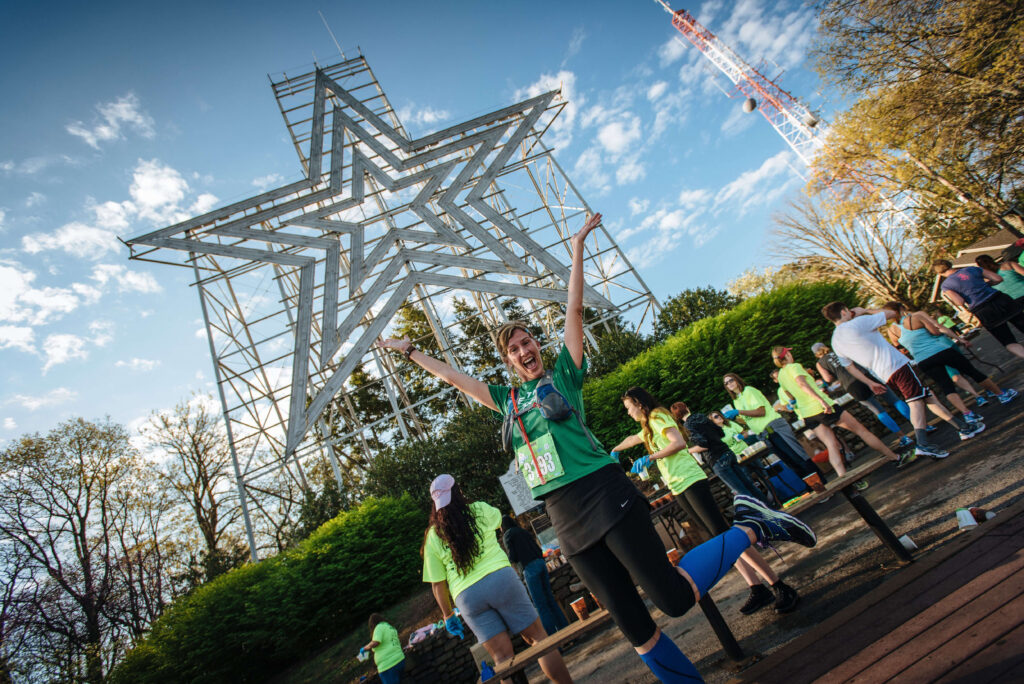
(748, 400)
(439, 566)
(575, 452)
(806, 406)
(680, 470)
(389, 652)
(731, 429)
(946, 321)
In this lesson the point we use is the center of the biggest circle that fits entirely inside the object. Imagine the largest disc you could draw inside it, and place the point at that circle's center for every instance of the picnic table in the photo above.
(865, 510)
(957, 615)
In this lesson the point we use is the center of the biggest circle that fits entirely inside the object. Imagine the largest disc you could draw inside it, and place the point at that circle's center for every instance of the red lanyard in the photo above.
(519, 418)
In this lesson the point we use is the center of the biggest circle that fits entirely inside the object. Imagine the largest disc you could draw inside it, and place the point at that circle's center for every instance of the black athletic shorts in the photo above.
(828, 419)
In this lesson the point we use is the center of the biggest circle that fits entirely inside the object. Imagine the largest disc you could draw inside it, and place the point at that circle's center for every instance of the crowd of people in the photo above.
(601, 519)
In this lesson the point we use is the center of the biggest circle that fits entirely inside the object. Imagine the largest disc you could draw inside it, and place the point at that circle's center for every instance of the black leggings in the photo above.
(702, 502)
(632, 551)
(935, 368)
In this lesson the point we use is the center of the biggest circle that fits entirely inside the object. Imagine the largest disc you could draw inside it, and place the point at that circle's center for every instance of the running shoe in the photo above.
(930, 428)
(929, 450)
(905, 459)
(769, 525)
(905, 441)
(861, 485)
(760, 596)
(786, 598)
(972, 418)
(1007, 396)
(971, 431)
(981, 401)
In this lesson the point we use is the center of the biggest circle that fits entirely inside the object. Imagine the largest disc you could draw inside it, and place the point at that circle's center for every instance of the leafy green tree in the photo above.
(690, 306)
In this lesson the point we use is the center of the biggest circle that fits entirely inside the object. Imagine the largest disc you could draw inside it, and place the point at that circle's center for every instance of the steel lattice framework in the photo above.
(298, 282)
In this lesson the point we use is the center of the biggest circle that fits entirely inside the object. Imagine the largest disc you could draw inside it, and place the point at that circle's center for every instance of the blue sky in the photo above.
(119, 118)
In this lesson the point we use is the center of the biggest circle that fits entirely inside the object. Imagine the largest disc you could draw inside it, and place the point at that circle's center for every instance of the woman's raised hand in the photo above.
(593, 222)
(398, 345)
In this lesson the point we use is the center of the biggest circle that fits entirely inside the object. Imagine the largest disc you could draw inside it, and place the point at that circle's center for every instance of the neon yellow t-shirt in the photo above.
(389, 652)
(680, 470)
(731, 429)
(439, 566)
(748, 400)
(806, 406)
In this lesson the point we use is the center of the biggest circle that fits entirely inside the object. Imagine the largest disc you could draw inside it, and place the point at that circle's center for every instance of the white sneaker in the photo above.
(971, 431)
(935, 452)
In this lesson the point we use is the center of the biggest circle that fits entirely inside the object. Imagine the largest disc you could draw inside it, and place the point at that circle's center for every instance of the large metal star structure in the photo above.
(444, 164)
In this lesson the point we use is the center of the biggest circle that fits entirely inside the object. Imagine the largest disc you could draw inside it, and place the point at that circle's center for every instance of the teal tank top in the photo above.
(921, 344)
(1013, 283)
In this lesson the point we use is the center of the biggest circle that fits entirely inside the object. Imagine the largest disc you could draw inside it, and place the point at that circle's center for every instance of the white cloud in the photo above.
(113, 216)
(20, 302)
(77, 239)
(747, 188)
(33, 165)
(157, 191)
(657, 90)
(3, 215)
(9, 424)
(690, 199)
(17, 337)
(126, 111)
(618, 137)
(575, 44)
(35, 199)
(560, 133)
(670, 51)
(270, 180)
(204, 203)
(126, 281)
(425, 116)
(62, 348)
(638, 206)
(138, 365)
(756, 33)
(54, 397)
(589, 168)
(630, 171)
(738, 120)
(103, 332)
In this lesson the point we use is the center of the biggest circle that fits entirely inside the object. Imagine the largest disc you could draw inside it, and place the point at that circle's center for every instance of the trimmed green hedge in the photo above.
(260, 618)
(689, 365)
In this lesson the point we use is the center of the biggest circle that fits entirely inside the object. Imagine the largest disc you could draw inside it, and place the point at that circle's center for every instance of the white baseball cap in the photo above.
(441, 490)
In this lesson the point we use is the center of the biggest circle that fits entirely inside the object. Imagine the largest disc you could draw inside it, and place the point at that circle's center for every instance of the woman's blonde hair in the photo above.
(779, 355)
(505, 332)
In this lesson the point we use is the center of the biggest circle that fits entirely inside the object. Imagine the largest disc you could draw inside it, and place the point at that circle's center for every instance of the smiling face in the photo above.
(523, 354)
(633, 409)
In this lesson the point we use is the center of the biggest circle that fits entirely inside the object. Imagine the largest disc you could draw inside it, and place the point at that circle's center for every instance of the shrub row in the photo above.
(689, 365)
(260, 618)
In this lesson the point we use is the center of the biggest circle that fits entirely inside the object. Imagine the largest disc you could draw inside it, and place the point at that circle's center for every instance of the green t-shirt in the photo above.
(731, 429)
(806, 406)
(575, 453)
(439, 566)
(389, 652)
(1013, 283)
(680, 470)
(946, 321)
(748, 400)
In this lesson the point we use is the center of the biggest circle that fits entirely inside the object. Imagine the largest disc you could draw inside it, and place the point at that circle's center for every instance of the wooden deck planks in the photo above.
(948, 633)
(1001, 661)
(870, 628)
(912, 616)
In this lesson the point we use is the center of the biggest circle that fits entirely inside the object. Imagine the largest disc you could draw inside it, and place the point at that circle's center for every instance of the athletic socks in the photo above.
(902, 407)
(922, 438)
(708, 563)
(888, 422)
(668, 663)
(960, 423)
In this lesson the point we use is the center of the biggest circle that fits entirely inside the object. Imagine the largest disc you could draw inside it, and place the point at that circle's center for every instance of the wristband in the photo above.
(408, 352)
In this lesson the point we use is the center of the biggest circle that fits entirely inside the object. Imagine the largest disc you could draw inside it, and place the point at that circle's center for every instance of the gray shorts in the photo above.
(495, 604)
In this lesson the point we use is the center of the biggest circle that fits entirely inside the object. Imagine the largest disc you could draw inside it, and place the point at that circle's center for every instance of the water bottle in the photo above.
(486, 671)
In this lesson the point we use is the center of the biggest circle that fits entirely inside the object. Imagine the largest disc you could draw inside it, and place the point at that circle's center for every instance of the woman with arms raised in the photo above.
(602, 522)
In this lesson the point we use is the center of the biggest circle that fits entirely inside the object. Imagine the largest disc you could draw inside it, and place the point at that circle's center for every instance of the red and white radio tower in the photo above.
(802, 130)
(794, 122)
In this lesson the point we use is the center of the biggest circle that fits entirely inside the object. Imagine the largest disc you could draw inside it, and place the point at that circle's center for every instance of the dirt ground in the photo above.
(849, 560)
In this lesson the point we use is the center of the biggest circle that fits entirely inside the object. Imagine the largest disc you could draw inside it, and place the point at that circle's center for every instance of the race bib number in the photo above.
(547, 463)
